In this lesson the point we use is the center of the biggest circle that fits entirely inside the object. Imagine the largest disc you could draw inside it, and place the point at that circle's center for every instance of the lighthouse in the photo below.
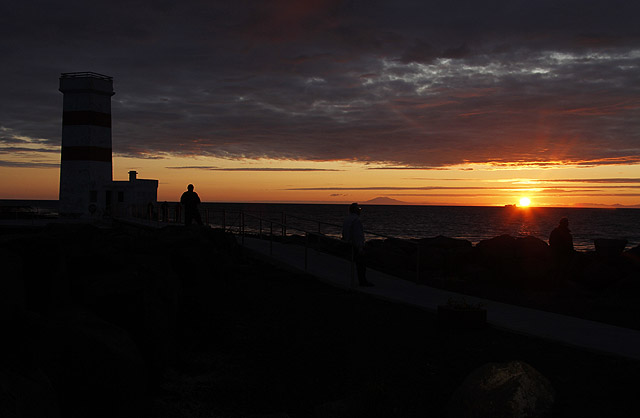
(85, 163)
(87, 189)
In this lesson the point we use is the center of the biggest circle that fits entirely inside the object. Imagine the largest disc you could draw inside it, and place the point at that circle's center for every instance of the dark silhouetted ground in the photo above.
(126, 322)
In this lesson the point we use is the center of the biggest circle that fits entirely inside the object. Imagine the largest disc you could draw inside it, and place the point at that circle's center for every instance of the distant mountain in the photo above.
(384, 201)
(599, 205)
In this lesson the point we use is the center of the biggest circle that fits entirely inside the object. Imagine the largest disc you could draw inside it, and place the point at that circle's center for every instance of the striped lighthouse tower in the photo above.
(85, 166)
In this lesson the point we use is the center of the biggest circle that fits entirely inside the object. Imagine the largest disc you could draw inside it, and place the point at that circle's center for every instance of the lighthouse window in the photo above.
(93, 196)
(120, 197)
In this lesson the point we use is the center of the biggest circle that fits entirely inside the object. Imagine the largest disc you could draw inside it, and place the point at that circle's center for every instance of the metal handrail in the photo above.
(338, 226)
(307, 233)
(241, 228)
(314, 221)
(306, 240)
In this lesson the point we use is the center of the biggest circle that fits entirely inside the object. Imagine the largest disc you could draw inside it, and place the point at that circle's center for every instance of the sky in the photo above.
(424, 102)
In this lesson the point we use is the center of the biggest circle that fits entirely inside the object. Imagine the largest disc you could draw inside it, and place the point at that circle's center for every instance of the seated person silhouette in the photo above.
(561, 240)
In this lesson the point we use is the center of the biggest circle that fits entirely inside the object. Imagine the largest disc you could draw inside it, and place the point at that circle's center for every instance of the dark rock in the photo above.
(496, 258)
(598, 272)
(606, 247)
(532, 247)
(506, 247)
(503, 390)
(444, 256)
(445, 243)
(534, 262)
(523, 262)
(634, 253)
(499, 248)
(433, 256)
(399, 246)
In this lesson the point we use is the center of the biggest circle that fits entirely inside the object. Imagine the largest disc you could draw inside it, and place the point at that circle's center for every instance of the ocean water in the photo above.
(465, 222)
(473, 223)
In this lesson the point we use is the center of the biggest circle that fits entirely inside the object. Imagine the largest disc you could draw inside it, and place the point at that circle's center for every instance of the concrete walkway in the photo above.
(568, 330)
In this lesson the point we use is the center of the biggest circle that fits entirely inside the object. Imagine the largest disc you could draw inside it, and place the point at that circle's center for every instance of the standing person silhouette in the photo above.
(353, 233)
(191, 200)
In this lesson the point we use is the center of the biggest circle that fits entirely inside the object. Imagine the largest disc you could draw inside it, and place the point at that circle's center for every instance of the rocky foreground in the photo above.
(126, 322)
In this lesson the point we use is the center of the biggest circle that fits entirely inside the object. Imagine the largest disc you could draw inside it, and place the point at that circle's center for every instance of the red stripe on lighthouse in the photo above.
(86, 154)
(86, 117)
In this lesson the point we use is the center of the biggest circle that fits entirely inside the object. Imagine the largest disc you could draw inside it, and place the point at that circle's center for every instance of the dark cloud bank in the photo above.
(408, 83)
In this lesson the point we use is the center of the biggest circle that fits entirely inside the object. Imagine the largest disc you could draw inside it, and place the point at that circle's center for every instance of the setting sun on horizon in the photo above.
(525, 201)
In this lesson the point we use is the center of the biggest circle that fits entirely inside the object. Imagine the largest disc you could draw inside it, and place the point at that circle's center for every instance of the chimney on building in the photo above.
(133, 175)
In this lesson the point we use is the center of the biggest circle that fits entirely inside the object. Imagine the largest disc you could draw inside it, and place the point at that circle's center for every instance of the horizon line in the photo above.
(397, 203)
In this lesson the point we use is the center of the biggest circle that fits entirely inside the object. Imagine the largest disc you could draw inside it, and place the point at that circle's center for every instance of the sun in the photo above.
(525, 201)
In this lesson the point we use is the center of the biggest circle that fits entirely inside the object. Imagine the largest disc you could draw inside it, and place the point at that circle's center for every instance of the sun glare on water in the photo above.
(525, 201)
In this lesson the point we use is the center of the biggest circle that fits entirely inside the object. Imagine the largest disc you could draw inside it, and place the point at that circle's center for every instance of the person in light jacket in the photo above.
(353, 233)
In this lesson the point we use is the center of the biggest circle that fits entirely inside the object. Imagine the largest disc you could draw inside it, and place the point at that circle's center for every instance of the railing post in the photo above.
(206, 217)
(224, 220)
(260, 234)
(284, 225)
(271, 238)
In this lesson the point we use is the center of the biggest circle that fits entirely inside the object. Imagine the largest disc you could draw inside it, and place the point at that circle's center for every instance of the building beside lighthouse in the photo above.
(87, 188)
